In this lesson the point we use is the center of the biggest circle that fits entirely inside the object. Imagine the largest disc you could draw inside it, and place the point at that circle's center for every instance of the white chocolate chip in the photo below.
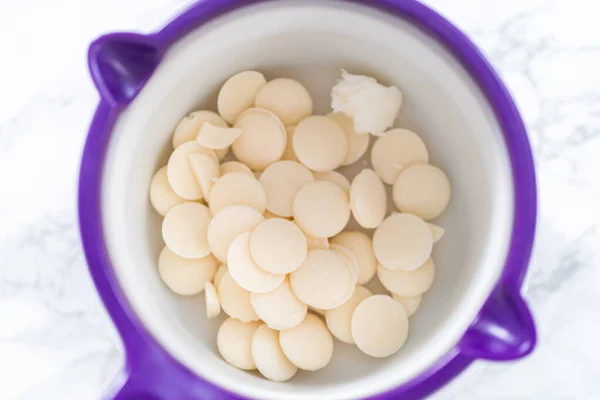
(379, 326)
(422, 190)
(279, 309)
(162, 196)
(368, 199)
(217, 137)
(287, 98)
(336, 178)
(352, 266)
(269, 357)
(357, 142)
(235, 166)
(185, 276)
(228, 224)
(188, 128)
(237, 189)
(402, 241)
(436, 232)
(396, 150)
(323, 279)
(219, 274)
(308, 346)
(339, 319)
(238, 94)
(321, 209)
(320, 143)
(184, 230)
(234, 341)
(350, 258)
(180, 174)
(244, 270)
(281, 182)
(206, 169)
(235, 300)
(408, 283)
(362, 247)
(410, 304)
(213, 306)
(263, 138)
(278, 246)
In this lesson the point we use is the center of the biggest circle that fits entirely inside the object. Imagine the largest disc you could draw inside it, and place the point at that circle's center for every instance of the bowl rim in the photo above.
(143, 352)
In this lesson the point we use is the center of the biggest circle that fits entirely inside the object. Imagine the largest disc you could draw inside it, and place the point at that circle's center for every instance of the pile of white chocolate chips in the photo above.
(264, 234)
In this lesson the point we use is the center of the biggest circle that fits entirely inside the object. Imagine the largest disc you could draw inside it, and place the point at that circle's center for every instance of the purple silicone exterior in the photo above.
(150, 372)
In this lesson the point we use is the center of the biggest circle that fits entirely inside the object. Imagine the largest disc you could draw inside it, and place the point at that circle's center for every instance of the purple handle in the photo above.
(152, 374)
(121, 64)
(504, 329)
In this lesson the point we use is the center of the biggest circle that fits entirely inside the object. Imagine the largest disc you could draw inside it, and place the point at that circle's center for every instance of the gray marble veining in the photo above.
(56, 342)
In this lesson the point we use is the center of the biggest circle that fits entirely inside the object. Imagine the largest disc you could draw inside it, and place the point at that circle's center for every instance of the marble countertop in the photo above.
(56, 342)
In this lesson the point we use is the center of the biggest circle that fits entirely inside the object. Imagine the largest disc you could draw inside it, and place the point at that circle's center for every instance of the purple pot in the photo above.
(453, 97)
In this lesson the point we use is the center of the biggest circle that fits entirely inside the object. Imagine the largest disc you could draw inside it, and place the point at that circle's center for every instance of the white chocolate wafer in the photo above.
(217, 137)
(396, 150)
(185, 276)
(336, 178)
(287, 98)
(402, 241)
(234, 341)
(269, 357)
(379, 326)
(362, 247)
(357, 142)
(436, 232)
(219, 274)
(368, 199)
(279, 309)
(237, 189)
(228, 224)
(423, 190)
(263, 138)
(320, 143)
(185, 228)
(238, 94)
(281, 182)
(213, 306)
(308, 346)
(278, 246)
(180, 174)
(188, 128)
(235, 300)
(408, 283)
(321, 209)
(162, 196)
(323, 279)
(244, 270)
(235, 166)
(206, 169)
(339, 319)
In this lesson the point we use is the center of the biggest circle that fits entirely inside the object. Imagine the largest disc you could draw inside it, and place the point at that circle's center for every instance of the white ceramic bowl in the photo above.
(309, 41)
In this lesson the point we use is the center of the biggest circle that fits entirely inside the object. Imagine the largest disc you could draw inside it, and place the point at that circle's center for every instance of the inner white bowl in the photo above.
(310, 41)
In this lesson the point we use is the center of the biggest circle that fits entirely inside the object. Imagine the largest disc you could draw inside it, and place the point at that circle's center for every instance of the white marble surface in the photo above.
(55, 341)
